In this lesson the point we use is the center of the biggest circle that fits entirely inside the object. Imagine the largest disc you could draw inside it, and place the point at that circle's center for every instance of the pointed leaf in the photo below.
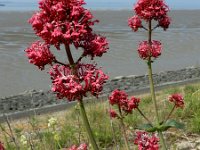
(147, 127)
(173, 123)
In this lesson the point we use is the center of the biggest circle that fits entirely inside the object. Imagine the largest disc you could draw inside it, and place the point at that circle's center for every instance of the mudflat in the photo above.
(180, 48)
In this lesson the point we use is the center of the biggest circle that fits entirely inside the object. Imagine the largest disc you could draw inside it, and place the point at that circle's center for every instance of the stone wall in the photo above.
(132, 82)
(38, 99)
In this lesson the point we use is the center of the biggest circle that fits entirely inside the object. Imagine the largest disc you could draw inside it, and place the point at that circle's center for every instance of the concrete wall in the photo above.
(38, 99)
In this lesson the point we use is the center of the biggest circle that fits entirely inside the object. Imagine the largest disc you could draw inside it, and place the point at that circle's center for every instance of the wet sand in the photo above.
(181, 48)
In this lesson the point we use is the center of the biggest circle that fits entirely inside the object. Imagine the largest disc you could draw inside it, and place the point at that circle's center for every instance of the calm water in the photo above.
(181, 48)
(21, 5)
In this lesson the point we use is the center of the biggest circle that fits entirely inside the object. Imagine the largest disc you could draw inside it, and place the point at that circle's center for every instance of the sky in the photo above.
(106, 4)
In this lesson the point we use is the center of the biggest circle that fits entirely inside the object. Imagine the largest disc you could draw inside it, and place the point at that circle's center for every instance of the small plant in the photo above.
(124, 107)
(149, 50)
(68, 23)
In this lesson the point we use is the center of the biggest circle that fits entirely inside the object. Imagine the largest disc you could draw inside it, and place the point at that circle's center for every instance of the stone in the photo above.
(37, 99)
(185, 145)
(198, 147)
(198, 141)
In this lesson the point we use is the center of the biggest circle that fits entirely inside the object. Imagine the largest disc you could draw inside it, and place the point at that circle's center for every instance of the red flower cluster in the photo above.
(134, 23)
(93, 45)
(151, 9)
(147, 50)
(134, 102)
(113, 113)
(70, 86)
(61, 21)
(81, 147)
(164, 22)
(67, 22)
(1, 146)
(39, 54)
(120, 98)
(177, 99)
(146, 141)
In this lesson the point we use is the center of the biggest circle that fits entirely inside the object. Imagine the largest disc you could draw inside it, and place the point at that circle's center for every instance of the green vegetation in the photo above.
(64, 129)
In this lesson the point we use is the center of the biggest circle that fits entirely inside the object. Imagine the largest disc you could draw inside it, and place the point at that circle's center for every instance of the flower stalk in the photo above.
(149, 11)
(87, 125)
(123, 129)
(170, 113)
(80, 102)
(142, 114)
(152, 89)
(125, 107)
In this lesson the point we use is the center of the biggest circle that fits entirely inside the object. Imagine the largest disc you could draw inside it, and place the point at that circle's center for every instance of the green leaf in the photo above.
(163, 128)
(147, 127)
(171, 124)
(174, 123)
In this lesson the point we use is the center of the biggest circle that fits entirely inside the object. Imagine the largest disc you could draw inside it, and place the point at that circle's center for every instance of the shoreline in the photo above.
(40, 102)
(99, 10)
(180, 48)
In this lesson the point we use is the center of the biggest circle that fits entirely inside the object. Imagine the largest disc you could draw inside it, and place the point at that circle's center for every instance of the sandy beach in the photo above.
(181, 48)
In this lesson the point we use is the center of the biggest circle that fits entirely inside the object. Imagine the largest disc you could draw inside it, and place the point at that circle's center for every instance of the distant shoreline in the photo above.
(180, 47)
(38, 102)
(92, 9)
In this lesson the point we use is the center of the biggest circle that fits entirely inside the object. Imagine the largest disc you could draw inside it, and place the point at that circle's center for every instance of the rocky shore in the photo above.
(30, 100)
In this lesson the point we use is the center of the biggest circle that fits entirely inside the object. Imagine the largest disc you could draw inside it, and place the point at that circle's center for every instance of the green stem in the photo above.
(162, 140)
(123, 129)
(87, 125)
(142, 114)
(170, 113)
(11, 133)
(113, 130)
(152, 88)
(124, 133)
(80, 102)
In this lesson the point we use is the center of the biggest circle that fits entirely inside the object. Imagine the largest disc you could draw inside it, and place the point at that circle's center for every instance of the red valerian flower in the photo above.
(64, 84)
(134, 23)
(147, 50)
(73, 87)
(62, 22)
(117, 96)
(164, 22)
(113, 113)
(120, 98)
(93, 78)
(94, 81)
(133, 102)
(146, 141)
(151, 9)
(81, 147)
(39, 54)
(93, 45)
(177, 99)
(1, 146)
